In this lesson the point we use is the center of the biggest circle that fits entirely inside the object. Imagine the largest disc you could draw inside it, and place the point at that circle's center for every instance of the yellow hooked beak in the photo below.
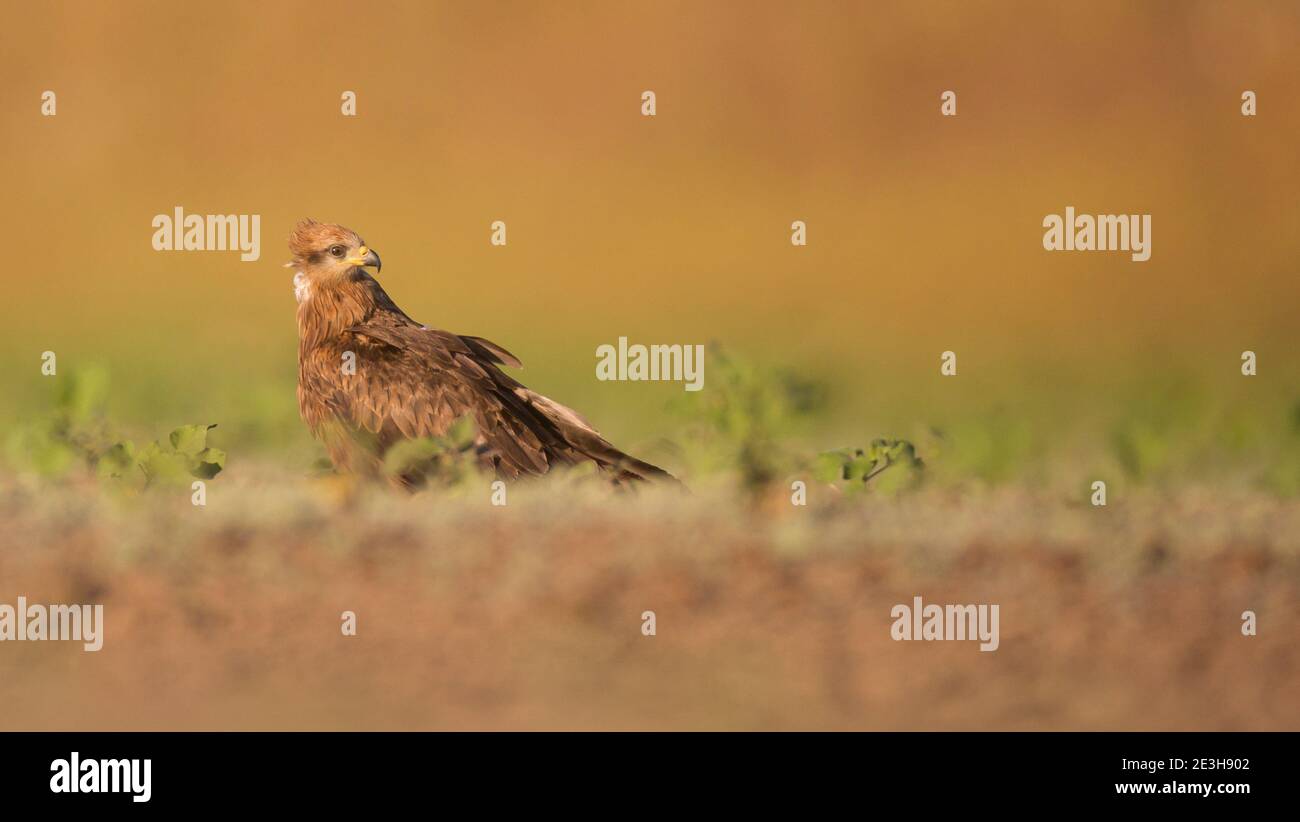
(365, 257)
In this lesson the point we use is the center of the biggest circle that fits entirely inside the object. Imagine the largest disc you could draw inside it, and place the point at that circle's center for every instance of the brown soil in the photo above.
(529, 616)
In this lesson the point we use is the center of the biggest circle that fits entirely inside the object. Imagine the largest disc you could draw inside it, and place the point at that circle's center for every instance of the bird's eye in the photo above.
(336, 250)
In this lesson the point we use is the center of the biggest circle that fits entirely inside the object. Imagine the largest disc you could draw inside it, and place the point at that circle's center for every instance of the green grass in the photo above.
(755, 424)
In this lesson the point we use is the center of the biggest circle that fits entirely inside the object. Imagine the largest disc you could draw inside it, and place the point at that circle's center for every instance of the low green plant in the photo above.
(445, 460)
(738, 424)
(76, 435)
(851, 469)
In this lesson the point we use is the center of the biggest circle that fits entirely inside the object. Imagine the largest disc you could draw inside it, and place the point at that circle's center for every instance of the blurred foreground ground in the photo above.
(768, 617)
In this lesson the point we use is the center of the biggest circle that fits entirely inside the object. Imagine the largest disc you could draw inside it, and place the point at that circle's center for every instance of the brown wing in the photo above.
(414, 382)
(488, 350)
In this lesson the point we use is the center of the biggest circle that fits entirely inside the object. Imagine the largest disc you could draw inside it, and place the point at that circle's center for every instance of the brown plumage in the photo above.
(413, 381)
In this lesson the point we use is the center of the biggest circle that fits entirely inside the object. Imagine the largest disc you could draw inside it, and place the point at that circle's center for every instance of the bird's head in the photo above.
(326, 251)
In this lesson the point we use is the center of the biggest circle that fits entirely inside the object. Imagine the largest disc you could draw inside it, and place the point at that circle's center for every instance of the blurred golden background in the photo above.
(924, 231)
(925, 235)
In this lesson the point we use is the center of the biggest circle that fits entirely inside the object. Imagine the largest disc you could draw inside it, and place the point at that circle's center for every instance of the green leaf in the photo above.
(190, 439)
(891, 465)
(858, 468)
(829, 467)
(208, 463)
(161, 465)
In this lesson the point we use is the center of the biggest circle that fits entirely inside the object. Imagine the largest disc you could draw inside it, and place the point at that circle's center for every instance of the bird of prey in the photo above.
(407, 380)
